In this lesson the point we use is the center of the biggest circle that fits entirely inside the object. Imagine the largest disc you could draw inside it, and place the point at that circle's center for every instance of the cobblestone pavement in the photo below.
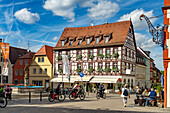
(113, 103)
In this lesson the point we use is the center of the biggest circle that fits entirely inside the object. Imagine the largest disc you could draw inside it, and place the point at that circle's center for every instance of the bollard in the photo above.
(40, 96)
(29, 96)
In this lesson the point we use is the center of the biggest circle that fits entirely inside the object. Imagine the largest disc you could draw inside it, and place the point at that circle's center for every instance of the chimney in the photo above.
(148, 53)
(0, 39)
(92, 23)
(105, 22)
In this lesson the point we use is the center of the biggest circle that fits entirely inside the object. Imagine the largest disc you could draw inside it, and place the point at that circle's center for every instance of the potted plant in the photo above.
(107, 69)
(99, 70)
(79, 57)
(100, 56)
(59, 58)
(90, 56)
(108, 55)
(60, 70)
(78, 69)
(115, 55)
(115, 69)
(90, 70)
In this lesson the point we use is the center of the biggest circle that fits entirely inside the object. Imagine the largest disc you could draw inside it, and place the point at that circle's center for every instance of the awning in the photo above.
(59, 79)
(105, 79)
(85, 78)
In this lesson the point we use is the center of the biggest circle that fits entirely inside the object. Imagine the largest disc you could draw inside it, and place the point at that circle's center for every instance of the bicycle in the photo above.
(100, 94)
(52, 96)
(73, 95)
(3, 101)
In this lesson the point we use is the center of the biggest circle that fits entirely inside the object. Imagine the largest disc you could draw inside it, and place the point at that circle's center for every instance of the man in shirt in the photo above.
(8, 91)
(58, 89)
(152, 95)
(75, 88)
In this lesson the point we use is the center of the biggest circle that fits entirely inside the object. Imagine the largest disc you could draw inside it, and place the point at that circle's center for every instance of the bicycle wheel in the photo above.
(61, 97)
(104, 95)
(3, 102)
(98, 95)
(82, 96)
(71, 96)
(50, 98)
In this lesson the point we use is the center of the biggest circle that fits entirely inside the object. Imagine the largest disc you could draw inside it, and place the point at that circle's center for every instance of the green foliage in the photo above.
(79, 57)
(115, 55)
(69, 57)
(90, 70)
(162, 72)
(99, 70)
(107, 69)
(114, 87)
(59, 58)
(90, 87)
(100, 56)
(158, 87)
(108, 55)
(90, 56)
(78, 69)
(60, 70)
(115, 69)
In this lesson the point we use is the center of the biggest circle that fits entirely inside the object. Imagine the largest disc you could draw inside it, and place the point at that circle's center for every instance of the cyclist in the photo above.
(1, 90)
(76, 88)
(101, 89)
(8, 91)
(58, 89)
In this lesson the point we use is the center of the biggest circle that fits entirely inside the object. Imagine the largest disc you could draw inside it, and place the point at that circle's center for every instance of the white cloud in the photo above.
(144, 42)
(103, 9)
(3, 33)
(134, 15)
(26, 16)
(63, 8)
(55, 38)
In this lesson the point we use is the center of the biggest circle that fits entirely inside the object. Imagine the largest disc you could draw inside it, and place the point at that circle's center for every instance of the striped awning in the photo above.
(105, 79)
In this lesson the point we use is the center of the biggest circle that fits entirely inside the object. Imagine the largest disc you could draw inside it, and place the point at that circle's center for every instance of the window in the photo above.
(108, 65)
(132, 67)
(107, 51)
(21, 72)
(133, 55)
(129, 54)
(79, 66)
(88, 41)
(42, 59)
(71, 42)
(115, 50)
(100, 51)
(100, 65)
(79, 52)
(21, 82)
(97, 40)
(45, 71)
(128, 65)
(15, 82)
(60, 53)
(2, 57)
(125, 65)
(34, 71)
(40, 71)
(20, 62)
(106, 39)
(68, 52)
(80, 41)
(59, 66)
(62, 43)
(26, 62)
(114, 64)
(37, 83)
(124, 81)
(16, 72)
(125, 51)
(39, 60)
(90, 65)
(91, 52)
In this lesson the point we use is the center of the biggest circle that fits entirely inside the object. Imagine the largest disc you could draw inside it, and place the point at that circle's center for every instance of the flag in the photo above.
(162, 80)
(5, 53)
(66, 66)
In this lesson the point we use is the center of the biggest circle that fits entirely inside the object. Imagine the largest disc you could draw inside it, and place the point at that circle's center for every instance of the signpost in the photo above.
(81, 75)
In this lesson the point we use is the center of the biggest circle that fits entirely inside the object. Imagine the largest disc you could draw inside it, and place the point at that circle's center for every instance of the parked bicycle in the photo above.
(53, 96)
(73, 95)
(3, 101)
(100, 94)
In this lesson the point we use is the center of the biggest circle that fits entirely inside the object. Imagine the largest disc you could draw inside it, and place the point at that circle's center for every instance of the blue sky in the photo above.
(42, 21)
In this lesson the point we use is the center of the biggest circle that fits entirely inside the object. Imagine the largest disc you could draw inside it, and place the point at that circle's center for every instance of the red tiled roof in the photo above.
(118, 32)
(29, 55)
(46, 50)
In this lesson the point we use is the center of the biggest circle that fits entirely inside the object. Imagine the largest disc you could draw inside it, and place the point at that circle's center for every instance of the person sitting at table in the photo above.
(145, 92)
(152, 95)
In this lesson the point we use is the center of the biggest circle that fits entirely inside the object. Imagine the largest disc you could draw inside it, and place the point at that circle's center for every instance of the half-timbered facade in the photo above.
(104, 53)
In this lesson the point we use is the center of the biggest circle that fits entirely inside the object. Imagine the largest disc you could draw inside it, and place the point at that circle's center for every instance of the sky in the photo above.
(41, 22)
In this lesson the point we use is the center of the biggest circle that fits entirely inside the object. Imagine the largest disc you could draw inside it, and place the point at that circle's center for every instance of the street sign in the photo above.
(81, 74)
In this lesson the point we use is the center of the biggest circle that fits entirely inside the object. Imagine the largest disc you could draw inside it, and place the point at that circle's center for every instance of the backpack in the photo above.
(8, 90)
(125, 93)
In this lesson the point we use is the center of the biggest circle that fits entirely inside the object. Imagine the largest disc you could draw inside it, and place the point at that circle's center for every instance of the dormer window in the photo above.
(71, 42)
(62, 43)
(88, 41)
(97, 40)
(106, 39)
(80, 41)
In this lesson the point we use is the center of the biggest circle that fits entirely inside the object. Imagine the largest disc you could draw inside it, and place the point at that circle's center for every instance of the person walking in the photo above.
(125, 94)
(8, 92)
